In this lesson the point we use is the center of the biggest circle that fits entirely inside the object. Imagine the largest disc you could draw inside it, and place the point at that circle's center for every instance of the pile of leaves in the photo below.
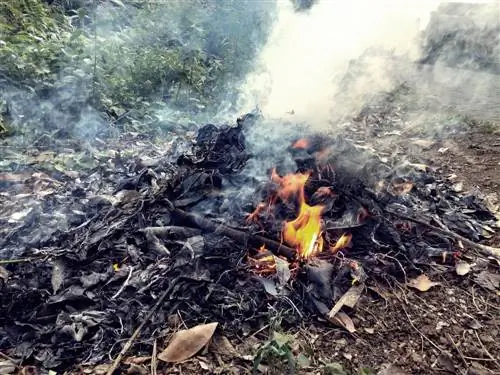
(107, 250)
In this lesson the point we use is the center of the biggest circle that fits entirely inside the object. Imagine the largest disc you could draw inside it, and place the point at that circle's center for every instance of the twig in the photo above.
(420, 332)
(5, 356)
(124, 284)
(486, 350)
(483, 249)
(138, 330)
(458, 350)
(154, 364)
(237, 235)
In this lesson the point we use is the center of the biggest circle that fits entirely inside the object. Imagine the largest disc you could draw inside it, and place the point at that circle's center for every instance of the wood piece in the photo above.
(242, 237)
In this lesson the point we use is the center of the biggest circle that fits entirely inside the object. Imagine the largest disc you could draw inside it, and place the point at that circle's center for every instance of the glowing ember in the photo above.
(342, 242)
(255, 215)
(263, 262)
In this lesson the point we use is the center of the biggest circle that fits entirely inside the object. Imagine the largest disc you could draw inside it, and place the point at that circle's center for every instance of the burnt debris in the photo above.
(84, 288)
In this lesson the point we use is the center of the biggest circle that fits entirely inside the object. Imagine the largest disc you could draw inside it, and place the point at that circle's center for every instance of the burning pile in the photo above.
(339, 217)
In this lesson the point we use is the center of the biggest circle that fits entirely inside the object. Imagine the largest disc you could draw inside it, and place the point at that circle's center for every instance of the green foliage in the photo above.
(182, 55)
(31, 38)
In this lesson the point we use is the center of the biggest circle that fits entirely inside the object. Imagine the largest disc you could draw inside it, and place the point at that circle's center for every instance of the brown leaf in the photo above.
(488, 280)
(422, 283)
(222, 346)
(350, 298)
(136, 360)
(188, 342)
(344, 321)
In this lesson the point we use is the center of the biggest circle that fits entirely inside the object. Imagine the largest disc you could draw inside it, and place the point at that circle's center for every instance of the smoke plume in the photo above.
(322, 65)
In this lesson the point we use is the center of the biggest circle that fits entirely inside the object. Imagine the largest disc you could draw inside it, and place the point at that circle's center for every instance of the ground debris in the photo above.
(100, 249)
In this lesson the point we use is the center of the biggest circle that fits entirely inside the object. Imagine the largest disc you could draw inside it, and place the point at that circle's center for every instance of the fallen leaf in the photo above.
(462, 268)
(422, 283)
(488, 280)
(344, 321)
(282, 271)
(7, 367)
(137, 370)
(222, 346)
(350, 298)
(188, 342)
(269, 286)
(136, 360)
(334, 369)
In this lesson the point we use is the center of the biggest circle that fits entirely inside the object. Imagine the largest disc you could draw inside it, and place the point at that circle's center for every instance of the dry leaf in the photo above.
(282, 271)
(350, 298)
(462, 268)
(422, 283)
(222, 346)
(136, 360)
(345, 321)
(186, 343)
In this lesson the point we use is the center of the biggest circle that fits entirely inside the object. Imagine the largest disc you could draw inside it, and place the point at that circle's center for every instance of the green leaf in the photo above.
(282, 339)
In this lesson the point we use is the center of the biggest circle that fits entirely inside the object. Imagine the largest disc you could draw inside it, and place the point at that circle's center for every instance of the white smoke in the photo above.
(300, 70)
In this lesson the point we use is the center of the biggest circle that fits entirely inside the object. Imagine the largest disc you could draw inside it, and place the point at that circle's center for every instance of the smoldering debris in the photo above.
(81, 289)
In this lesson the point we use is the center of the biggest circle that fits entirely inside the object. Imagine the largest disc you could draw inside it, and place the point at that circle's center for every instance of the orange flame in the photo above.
(342, 242)
(304, 233)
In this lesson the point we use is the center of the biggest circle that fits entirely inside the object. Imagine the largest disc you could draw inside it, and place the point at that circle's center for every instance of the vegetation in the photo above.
(117, 55)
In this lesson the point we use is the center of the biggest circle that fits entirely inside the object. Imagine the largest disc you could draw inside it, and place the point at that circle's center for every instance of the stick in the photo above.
(138, 330)
(483, 249)
(235, 234)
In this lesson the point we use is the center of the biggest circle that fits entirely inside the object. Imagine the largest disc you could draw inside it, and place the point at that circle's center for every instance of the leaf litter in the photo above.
(95, 220)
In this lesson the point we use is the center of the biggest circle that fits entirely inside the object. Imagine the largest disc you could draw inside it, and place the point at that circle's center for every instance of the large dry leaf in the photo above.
(350, 298)
(422, 283)
(188, 342)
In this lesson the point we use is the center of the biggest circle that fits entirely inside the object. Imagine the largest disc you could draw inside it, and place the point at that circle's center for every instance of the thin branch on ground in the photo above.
(124, 284)
(421, 333)
(486, 350)
(136, 333)
(455, 345)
